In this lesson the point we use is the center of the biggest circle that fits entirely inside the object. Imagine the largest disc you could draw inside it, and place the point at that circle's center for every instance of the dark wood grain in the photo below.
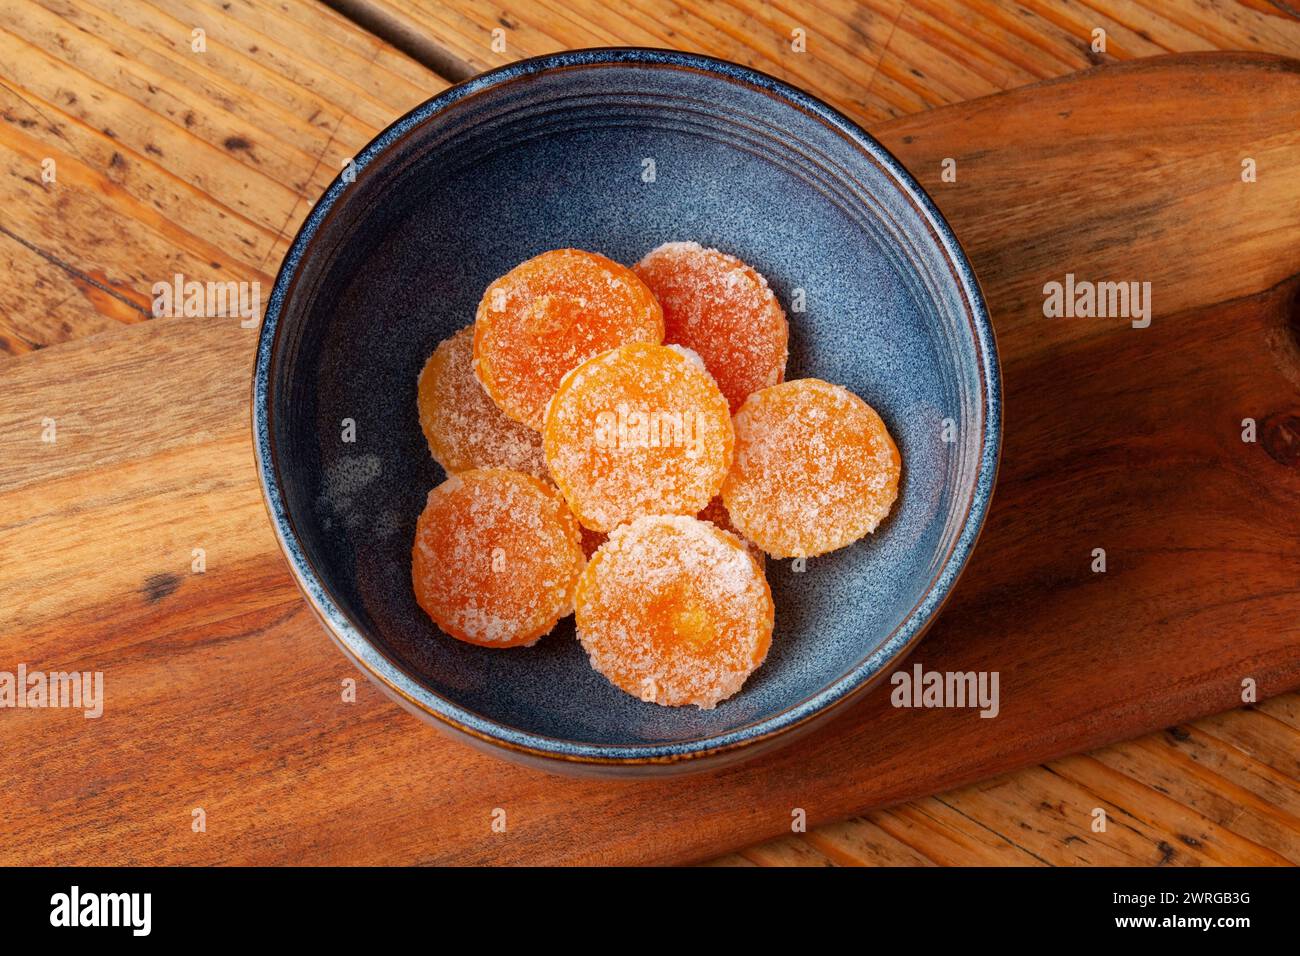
(223, 693)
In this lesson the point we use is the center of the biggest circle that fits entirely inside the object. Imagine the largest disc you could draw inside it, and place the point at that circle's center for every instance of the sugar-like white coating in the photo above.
(815, 469)
(675, 611)
(563, 308)
(496, 557)
(723, 309)
(463, 426)
(670, 459)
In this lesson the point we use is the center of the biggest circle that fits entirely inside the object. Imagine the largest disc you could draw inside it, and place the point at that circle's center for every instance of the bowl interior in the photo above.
(616, 158)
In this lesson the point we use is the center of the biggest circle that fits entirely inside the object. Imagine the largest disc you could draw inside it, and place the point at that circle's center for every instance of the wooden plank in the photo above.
(1227, 789)
(875, 60)
(788, 851)
(949, 837)
(224, 695)
(48, 308)
(1045, 813)
(1268, 741)
(167, 160)
(758, 35)
(1285, 709)
(861, 842)
(1197, 834)
(731, 860)
(1052, 818)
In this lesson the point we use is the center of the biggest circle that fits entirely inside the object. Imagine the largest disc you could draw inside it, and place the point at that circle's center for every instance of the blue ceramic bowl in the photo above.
(617, 151)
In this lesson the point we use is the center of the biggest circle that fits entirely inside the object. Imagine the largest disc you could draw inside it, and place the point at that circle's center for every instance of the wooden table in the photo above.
(169, 159)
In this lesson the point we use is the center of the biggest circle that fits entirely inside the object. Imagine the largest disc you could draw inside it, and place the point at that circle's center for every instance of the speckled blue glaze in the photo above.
(550, 152)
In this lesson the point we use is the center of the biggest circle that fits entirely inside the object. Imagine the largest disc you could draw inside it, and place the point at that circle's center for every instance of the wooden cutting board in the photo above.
(224, 695)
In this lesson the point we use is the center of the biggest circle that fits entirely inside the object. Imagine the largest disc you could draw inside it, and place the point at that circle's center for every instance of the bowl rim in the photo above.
(413, 695)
